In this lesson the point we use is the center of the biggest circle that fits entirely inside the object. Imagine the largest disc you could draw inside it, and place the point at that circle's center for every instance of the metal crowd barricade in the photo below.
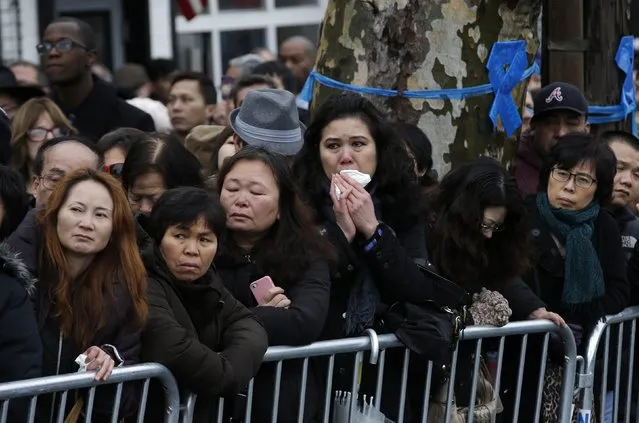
(33, 388)
(378, 345)
(623, 382)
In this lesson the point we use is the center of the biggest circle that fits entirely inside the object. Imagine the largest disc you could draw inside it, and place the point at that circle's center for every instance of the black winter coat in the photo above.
(393, 269)
(59, 354)
(103, 111)
(547, 280)
(209, 340)
(20, 345)
(300, 324)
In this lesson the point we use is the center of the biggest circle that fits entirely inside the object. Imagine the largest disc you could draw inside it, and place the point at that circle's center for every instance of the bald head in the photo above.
(298, 54)
(85, 34)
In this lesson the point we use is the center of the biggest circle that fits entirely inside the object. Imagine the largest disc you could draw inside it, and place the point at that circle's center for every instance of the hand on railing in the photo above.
(100, 361)
(542, 313)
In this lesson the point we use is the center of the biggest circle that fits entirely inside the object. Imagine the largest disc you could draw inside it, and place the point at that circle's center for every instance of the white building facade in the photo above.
(226, 29)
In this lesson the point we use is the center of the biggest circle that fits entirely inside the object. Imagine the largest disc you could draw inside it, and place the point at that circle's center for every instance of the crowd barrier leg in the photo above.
(617, 402)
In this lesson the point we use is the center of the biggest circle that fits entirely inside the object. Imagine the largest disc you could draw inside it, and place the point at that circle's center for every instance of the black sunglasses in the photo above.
(115, 169)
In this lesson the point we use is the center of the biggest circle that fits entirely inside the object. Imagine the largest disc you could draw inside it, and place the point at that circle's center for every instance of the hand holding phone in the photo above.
(260, 288)
(267, 294)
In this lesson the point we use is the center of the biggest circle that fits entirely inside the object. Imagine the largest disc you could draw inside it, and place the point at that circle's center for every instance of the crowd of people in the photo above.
(143, 220)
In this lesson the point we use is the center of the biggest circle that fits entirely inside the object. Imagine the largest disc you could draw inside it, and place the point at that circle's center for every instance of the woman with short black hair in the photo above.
(580, 268)
(152, 167)
(207, 338)
(115, 146)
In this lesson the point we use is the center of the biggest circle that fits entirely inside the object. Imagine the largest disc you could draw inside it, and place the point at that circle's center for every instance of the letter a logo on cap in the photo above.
(555, 95)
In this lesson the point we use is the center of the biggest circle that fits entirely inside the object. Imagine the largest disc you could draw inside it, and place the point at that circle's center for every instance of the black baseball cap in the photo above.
(559, 96)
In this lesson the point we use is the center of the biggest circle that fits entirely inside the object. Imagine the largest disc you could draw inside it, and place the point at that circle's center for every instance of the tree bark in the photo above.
(605, 22)
(418, 44)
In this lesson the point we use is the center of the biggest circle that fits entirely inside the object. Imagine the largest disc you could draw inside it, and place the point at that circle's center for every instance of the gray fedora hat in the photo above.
(269, 119)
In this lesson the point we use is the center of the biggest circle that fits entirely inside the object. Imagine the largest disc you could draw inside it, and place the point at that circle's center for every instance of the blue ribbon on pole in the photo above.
(513, 55)
(628, 105)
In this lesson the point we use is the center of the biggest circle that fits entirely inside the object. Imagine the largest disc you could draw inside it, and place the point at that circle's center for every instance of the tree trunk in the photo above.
(605, 22)
(418, 44)
(563, 42)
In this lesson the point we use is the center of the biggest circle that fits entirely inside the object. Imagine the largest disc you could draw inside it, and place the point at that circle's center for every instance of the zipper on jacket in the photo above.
(57, 372)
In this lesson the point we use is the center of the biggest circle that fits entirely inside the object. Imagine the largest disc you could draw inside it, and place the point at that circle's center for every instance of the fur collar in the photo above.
(13, 266)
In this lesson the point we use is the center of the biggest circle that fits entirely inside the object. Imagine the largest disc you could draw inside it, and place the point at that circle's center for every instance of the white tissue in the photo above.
(361, 178)
(81, 361)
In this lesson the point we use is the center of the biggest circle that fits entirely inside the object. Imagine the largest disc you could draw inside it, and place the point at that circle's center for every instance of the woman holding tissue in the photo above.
(90, 297)
(375, 225)
(274, 261)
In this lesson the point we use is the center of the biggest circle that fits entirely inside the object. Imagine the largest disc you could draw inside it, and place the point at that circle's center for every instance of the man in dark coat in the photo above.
(93, 107)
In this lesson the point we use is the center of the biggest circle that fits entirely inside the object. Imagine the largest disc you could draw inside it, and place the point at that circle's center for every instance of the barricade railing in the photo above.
(377, 346)
(596, 366)
(32, 389)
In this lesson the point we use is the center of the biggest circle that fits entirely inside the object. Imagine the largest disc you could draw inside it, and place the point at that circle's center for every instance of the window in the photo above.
(239, 4)
(239, 43)
(194, 52)
(289, 3)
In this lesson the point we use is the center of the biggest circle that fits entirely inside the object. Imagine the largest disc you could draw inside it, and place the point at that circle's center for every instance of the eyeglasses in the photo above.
(114, 169)
(492, 227)
(63, 45)
(40, 134)
(50, 180)
(581, 180)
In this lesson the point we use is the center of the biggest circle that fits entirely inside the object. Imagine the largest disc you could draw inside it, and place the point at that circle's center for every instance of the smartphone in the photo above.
(260, 287)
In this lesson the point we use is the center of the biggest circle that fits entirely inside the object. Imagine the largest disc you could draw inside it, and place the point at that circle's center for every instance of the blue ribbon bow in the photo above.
(513, 55)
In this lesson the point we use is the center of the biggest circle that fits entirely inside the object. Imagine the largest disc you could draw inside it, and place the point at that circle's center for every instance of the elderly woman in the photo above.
(91, 292)
(579, 269)
(208, 339)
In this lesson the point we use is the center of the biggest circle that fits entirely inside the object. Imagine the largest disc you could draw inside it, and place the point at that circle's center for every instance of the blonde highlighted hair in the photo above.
(23, 121)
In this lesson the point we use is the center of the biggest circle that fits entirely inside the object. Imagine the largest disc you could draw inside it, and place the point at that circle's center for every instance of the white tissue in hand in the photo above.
(361, 178)
(81, 361)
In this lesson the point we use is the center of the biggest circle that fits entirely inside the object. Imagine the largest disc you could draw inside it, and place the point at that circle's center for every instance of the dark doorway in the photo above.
(137, 42)
(100, 21)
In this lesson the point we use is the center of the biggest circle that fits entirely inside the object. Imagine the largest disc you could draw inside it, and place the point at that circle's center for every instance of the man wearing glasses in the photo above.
(68, 51)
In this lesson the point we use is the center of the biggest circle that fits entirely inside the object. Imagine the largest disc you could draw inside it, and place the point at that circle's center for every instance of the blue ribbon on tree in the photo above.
(513, 55)
(628, 105)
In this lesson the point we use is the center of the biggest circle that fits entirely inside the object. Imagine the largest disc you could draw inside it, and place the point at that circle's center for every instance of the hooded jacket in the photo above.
(20, 345)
